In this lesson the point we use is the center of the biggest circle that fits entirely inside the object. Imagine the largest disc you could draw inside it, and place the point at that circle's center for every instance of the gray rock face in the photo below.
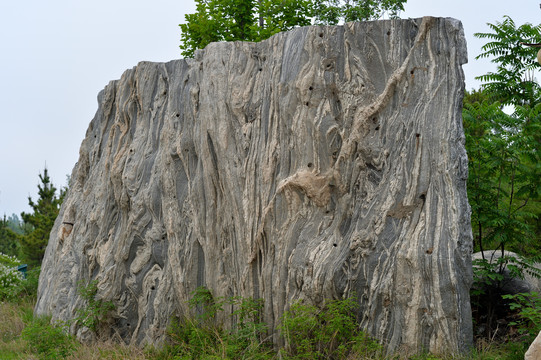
(534, 351)
(320, 163)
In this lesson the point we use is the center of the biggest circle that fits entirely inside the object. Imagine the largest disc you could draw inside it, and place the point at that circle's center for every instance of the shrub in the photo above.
(49, 342)
(96, 310)
(11, 280)
(528, 306)
(310, 333)
(201, 336)
(329, 333)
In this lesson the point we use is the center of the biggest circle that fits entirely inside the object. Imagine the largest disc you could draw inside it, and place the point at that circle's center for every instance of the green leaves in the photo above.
(41, 221)
(332, 12)
(504, 161)
(328, 333)
(512, 83)
(256, 20)
(96, 310)
(528, 306)
(503, 174)
(49, 341)
(245, 20)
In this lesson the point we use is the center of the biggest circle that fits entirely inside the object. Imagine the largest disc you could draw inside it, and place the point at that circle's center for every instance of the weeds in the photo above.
(96, 310)
(329, 333)
(201, 336)
(528, 306)
(48, 341)
(309, 333)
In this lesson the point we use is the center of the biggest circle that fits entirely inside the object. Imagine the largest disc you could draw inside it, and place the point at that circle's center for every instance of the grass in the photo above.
(16, 316)
(309, 333)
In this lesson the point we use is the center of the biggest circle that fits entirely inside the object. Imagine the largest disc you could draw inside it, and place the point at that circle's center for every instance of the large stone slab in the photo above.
(320, 163)
(534, 351)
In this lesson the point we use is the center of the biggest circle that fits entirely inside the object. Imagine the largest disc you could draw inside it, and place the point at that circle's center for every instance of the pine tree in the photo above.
(9, 240)
(46, 209)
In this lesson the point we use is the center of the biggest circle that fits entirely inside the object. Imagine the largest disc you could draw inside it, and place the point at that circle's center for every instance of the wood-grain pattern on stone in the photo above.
(320, 163)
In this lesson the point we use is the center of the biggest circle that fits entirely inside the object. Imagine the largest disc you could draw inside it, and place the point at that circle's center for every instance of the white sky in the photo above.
(57, 55)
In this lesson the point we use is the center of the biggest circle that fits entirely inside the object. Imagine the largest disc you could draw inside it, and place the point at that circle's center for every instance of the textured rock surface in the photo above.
(322, 162)
(534, 351)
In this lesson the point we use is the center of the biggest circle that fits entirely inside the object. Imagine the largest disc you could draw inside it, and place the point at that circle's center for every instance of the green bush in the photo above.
(328, 333)
(309, 332)
(201, 336)
(49, 342)
(528, 306)
(95, 310)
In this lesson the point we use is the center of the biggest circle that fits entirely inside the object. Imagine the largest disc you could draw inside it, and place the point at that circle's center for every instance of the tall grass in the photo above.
(305, 328)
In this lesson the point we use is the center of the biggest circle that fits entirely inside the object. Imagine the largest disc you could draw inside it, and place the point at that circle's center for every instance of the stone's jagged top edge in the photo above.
(199, 53)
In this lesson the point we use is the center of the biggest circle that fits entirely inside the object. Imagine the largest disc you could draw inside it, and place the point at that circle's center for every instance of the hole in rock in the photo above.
(177, 115)
(417, 135)
(334, 245)
(311, 88)
(260, 69)
(377, 128)
(422, 197)
(310, 165)
(320, 34)
(152, 288)
(307, 103)
(389, 32)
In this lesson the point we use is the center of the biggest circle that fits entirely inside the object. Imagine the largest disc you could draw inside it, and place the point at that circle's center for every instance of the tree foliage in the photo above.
(255, 20)
(504, 161)
(513, 82)
(9, 239)
(41, 221)
(332, 12)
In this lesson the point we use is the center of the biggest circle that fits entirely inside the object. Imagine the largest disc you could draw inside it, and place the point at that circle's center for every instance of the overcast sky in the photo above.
(57, 55)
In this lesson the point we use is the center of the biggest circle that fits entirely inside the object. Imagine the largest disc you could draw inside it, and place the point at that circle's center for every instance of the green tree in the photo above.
(513, 82)
(504, 161)
(255, 20)
(41, 221)
(15, 224)
(9, 240)
(332, 12)
(503, 176)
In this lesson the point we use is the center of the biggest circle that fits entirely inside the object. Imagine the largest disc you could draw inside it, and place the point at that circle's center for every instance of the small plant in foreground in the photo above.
(95, 311)
(49, 342)
(528, 306)
(202, 336)
(328, 333)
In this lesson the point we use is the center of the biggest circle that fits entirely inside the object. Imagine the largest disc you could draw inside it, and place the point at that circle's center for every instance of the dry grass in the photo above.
(108, 351)
(12, 322)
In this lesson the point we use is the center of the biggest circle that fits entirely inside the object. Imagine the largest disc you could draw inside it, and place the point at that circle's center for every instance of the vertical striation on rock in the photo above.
(320, 163)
